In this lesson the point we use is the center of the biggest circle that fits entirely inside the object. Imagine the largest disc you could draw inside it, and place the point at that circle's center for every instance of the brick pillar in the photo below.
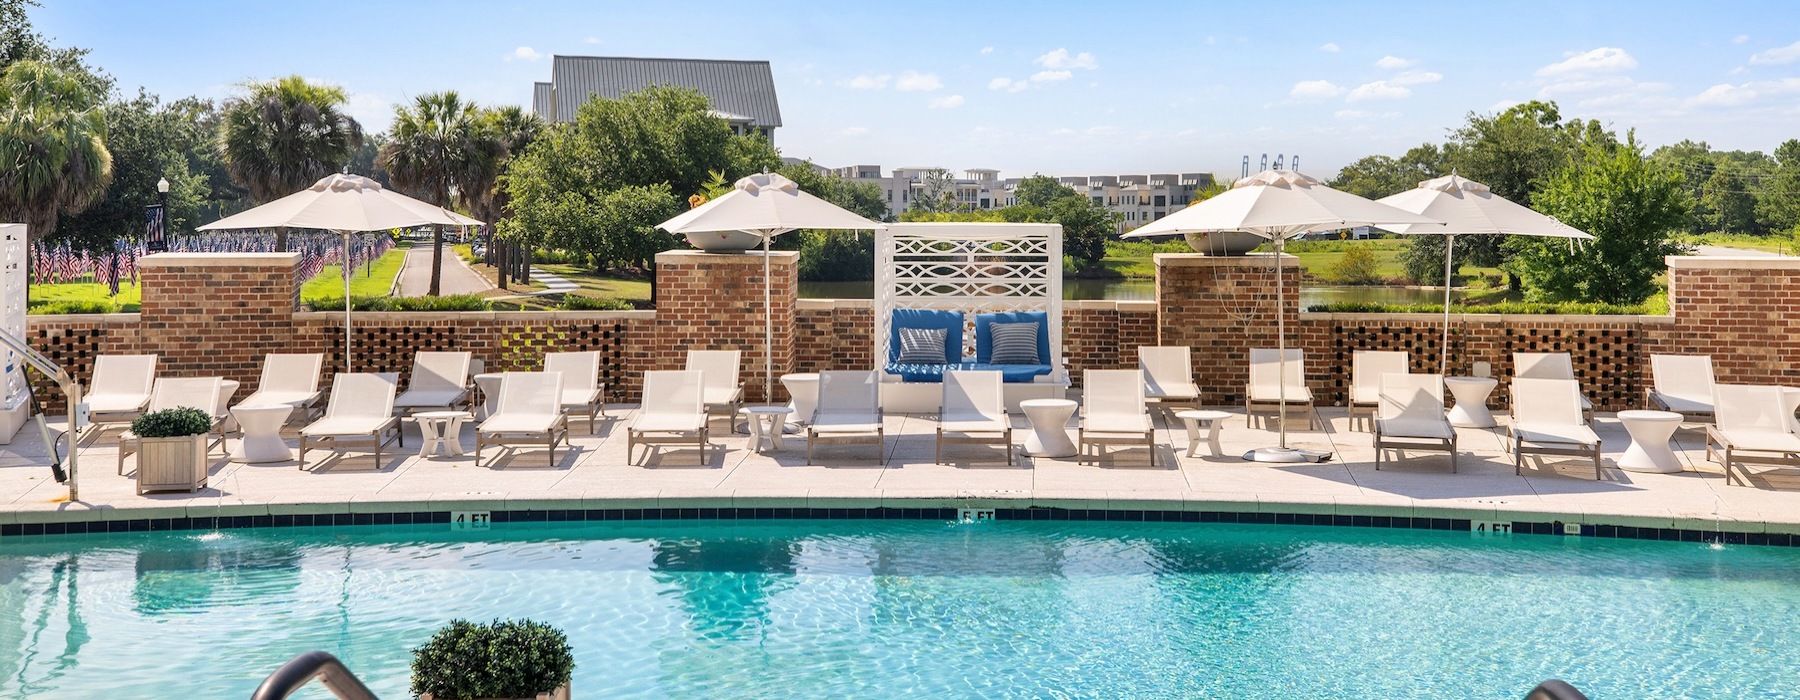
(1221, 306)
(714, 301)
(1744, 312)
(218, 314)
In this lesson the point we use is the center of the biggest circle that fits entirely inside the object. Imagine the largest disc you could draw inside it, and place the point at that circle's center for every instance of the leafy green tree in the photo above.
(20, 42)
(829, 255)
(280, 136)
(366, 161)
(1778, 200)
(490, 202)
(1040, 190)
(1086, 228)
(1378, 176)
(440, 145)
(1729, 204)
(1629, 204)
(148, 141)
(1356, 266)
(53, 155)
(936, 193)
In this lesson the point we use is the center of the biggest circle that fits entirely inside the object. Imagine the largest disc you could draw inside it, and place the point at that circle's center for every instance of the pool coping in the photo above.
(480, 510)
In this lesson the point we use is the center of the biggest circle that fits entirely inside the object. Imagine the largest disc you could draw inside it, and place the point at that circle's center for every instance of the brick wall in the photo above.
(1105, 334)
(1222, 307)
(714, 301)
(834, 334)
(1744, 312)
(218, 314)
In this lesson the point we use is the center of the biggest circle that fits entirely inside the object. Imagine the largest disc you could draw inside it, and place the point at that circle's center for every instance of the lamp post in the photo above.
(160, 242)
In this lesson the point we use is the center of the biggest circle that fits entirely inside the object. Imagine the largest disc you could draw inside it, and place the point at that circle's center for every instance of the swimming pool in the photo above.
(911, 608)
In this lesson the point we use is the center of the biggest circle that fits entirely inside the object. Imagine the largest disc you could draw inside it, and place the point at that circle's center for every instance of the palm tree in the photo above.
(516, 130)
(282, 135)
(53, 156)
(440, 146)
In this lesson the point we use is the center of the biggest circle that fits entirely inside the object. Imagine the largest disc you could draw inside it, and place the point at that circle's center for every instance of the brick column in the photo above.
(218, 314)
(1222, 306)
(714, 301)
(1743, 311)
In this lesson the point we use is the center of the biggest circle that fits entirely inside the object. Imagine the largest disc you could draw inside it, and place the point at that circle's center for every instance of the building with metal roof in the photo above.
(742, 92)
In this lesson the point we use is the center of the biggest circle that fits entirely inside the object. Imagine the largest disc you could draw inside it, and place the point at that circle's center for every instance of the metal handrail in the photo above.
(1555, 690)
(295, 674)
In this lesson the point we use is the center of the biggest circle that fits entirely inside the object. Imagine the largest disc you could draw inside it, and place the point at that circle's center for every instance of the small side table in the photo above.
(1049, 427)
(262, 433)
(1212, 419)
(1650, 432)
(766, 425)
(441, 432)
(804, 389)
(1471, 394)
(1790, 398)
(489, 385)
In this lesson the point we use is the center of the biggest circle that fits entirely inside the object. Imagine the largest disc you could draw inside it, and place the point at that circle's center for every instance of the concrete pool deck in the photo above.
(597, 475)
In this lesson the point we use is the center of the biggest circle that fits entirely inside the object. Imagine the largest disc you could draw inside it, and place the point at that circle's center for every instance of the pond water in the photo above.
(1136, 289)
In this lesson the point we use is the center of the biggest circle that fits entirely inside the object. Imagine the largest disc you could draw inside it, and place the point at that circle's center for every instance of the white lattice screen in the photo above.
(973, 268)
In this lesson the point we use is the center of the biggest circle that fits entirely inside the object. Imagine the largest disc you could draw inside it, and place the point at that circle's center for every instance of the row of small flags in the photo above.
(54, 264)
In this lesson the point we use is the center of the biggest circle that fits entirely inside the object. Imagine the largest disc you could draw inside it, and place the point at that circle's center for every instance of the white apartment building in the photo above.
(1138, 199)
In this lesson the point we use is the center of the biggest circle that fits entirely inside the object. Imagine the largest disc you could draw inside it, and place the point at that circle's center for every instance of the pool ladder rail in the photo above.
(295, 674)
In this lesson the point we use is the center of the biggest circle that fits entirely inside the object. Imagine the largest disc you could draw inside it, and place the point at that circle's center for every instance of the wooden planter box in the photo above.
(173, 463)
(561, 693)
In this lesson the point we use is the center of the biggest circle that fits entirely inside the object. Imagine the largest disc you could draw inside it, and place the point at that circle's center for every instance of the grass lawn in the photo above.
(1772, 243)
(589, 283)
(363, 283)
(90, 297)
(1134, 259)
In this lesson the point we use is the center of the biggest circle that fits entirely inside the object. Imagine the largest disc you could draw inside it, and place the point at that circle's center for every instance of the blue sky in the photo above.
(1053, 87)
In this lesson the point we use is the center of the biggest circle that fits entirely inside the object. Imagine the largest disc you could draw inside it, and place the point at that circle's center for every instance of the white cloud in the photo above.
(1060, 59)
(1777, 57)
(1740, 70)
(1007, 84)
(1723, 95)
(1739, 39)
(1601, 60)
(1378, 90)
(1394, 63)
(591, 40)
(1353, 114)
(1416, 77)
(1315, 90)
(1050, 76)
(985, 50)
(914, 81)
(946, 102)
(870, 82)
(373, 110)
(855, 130)
(524, 53)
(1329, 47)
(1100, 131)
(1504, 105)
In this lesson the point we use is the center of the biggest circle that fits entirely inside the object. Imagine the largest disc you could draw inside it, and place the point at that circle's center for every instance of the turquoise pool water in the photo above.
(698, 609)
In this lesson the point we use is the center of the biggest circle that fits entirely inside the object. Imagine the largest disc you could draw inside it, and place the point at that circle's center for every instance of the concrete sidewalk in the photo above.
(415, 274)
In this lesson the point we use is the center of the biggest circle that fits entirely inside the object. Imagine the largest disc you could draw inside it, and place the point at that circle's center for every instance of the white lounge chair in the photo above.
(1549, 421)
(1169, 375)
(291, 379)
(1551, 365)
(1749, 418)
(361, 406)
(580, 383)
(849, 410)
(172, 392)
(1367, 367)
(672, 413)
(1113, 411)
(1682, 384)
(530, 413)
(974, 411)
(1266, 382)
(722, 392)
(1411, 415)
(120, 388)
(439, 381)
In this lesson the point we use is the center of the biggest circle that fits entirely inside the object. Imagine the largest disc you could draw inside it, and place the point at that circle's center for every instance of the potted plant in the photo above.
(503, 659)
(172, 449)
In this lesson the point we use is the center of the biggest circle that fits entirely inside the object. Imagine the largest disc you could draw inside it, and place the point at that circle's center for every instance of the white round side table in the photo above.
(1212, 419)
(1790, 397)
(262, 433)
(766, 425)
(489, 386)
(1049, 427)
(441, 432)
(803, 387)
(1471, 394)
(1650, 432)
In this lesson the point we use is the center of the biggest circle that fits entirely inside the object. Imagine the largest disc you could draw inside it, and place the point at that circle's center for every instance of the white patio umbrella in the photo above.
(343, 203)
(1467, 207)
(766, 205)
(1278, 205)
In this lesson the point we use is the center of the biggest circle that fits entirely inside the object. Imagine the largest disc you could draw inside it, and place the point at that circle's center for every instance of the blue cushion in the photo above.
(951, 321)
(1010, 374)
(1014, 343)
(984, 342)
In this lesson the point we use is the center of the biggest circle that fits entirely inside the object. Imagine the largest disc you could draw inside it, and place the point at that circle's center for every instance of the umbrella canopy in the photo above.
(345, 203)
(767, 205)
(1278, 205)
(1468, 207)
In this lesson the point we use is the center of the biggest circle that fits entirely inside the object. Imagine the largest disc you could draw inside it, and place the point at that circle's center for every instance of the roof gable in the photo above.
(736, 87)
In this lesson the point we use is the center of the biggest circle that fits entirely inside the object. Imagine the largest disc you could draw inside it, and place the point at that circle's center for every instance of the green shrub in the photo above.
(1357, 265)
(1569, 308)
(173, 422)
(576, 302)
(501, 659)
(453, 302)
(82, 306)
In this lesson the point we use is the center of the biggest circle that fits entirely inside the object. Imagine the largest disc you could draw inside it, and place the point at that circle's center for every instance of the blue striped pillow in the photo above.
(1015, 343)
(922, 346)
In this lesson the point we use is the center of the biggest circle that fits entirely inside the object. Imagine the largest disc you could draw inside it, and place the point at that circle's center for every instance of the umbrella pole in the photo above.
(768, 327)
(347, 368)
(1444, 344)
(1281, 342)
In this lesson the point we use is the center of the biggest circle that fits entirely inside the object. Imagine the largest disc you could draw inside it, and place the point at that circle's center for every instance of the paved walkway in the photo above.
(598, 475)
(1719, 251)
(415, 276)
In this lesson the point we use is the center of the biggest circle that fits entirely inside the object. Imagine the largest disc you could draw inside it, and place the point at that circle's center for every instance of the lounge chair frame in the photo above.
(848, 401)
(1114, 395)
(671, 393)
(1401, 395)
(1750, 420)
(1367, 367)
(972, 399)
(1560, 401)
(381, 433)
(1266, 363)
(529, 392)
(1169, 376)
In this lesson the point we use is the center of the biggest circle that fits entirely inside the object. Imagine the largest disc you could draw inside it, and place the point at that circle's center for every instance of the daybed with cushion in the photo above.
(1015, 344)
